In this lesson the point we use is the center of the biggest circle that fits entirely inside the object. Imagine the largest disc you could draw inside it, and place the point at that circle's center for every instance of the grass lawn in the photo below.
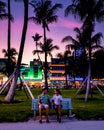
(20, 109)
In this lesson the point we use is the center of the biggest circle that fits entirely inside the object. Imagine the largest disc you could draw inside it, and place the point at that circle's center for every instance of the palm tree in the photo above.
(3, 14)
(65, 58)
(36, 38)
(74, 45)
(93, 10)
(9, 36)
(46, 48)
(45, 14)
(77, 43)
(90, 12)
(93, 43)
(10, 95)
(12, 54)
(88, 46)
(78, 46)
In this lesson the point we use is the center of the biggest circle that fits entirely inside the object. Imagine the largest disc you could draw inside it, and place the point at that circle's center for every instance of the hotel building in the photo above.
(57, 70)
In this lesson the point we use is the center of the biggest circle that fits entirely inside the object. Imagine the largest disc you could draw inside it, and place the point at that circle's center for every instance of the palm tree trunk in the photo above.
(88, 83)
(9, 38)
(89, 77)
(10, 95)
(37, 52)
(46, 67)
(45, 70)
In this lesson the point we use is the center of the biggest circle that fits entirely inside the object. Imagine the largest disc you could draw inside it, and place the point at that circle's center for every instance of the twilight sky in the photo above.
(58, 30)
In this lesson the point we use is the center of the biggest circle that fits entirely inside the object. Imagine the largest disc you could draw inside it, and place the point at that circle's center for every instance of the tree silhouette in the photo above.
(36, 38)
(89, 12)
(12, 55)
(10, 95)
(45, 13)
(46, 48)
(3, 14)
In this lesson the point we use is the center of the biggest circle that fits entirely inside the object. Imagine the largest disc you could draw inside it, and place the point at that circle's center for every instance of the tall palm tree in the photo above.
(45, 13)
(92, 43)
(9, 36)
(90, 12)
(88, 46)
(65, 58)
(75, 44)
(36, 38)
(46, 48)
(10, 95)
(3, 15)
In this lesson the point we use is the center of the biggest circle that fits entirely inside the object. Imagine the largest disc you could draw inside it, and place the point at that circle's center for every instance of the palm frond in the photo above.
(97, 38)
(37, 51)
(36, 37)
(69, 39)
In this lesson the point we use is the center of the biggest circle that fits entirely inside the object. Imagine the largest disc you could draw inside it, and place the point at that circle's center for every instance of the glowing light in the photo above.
(33, 72)
(57, 78)
(57, 71)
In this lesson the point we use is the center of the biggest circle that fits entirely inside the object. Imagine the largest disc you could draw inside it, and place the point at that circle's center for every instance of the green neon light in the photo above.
(29, 73)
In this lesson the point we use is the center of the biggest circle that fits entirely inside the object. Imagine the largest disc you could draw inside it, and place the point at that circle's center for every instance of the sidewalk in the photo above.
(66, 124)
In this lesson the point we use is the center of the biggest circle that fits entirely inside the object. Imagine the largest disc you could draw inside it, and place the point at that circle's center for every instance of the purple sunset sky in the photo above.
(58, 30)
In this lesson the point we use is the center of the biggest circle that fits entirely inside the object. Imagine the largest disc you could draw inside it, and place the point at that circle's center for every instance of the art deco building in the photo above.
(57, 70)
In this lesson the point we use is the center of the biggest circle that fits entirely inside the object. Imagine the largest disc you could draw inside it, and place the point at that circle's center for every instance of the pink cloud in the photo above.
(66, 23)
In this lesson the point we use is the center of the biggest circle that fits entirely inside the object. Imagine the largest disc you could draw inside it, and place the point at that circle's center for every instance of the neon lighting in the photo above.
(57, 78)
(57, 65)
(33, 72)
(57, 71)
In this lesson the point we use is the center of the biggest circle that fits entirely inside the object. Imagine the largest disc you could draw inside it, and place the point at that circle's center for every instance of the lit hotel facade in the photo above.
(33, 73)
(57, 70)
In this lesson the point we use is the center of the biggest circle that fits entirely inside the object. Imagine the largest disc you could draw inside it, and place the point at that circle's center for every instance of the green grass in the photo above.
(20, 109)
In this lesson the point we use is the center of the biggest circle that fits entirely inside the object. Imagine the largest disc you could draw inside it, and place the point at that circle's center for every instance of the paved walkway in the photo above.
(66, 124)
